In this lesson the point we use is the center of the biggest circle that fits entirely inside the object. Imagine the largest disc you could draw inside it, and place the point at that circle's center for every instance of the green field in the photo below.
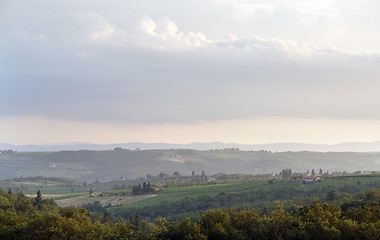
(342, 184)
(190, 201)
(177, 202)
(178, 193)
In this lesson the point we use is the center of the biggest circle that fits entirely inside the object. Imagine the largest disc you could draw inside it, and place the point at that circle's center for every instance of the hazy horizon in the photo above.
(364, 147)
(186, 143)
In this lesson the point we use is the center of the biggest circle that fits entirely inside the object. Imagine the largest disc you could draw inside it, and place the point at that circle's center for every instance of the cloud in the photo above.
(164, 34)
(95, 27)
(151, 66)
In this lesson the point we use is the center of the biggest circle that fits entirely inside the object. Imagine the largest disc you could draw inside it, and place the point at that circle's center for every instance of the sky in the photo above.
(177, 71)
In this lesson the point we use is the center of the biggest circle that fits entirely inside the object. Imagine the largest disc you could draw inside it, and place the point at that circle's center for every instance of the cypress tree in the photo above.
(38, 200)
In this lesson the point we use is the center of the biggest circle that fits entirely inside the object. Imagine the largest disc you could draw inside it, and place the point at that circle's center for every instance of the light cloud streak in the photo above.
(248, 131)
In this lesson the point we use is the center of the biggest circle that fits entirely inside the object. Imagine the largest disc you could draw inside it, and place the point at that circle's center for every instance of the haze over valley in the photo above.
(108, 165)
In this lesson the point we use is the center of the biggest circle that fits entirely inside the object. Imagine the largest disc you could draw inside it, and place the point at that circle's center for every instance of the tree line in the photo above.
(145, 188)
(37, 218)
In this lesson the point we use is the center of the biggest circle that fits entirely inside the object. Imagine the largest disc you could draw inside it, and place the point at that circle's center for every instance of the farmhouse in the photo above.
(311, 179)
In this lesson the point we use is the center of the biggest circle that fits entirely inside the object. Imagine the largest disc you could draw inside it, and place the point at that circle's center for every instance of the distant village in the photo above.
(313, 177)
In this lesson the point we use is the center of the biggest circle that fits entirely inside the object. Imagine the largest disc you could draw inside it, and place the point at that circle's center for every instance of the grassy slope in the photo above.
(254, 194)
(178, 193)
(259, 194)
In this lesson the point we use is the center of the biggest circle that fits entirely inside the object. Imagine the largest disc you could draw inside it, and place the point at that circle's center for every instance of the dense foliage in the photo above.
(138, 190)
(36, 218)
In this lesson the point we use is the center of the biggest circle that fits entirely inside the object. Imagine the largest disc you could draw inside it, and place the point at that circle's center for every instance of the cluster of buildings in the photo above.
(305, 177)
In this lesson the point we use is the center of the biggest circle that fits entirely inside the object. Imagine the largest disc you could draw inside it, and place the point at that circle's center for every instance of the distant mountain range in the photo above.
(274, 147)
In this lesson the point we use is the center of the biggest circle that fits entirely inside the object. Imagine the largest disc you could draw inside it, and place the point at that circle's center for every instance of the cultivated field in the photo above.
(104, 199)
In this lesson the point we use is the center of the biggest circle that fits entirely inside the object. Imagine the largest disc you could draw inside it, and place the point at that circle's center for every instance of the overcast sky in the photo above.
(244, 71)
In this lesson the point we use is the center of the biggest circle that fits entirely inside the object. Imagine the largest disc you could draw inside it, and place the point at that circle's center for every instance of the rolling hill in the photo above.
(89, 165)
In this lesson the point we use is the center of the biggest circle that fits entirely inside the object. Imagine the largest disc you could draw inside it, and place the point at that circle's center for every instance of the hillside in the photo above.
(261, 195)
(86, 165)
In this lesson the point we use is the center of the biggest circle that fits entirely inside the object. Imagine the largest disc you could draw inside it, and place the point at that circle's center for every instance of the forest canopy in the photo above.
(22, 217)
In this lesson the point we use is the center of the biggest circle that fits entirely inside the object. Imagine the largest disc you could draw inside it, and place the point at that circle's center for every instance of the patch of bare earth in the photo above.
(105, 200)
